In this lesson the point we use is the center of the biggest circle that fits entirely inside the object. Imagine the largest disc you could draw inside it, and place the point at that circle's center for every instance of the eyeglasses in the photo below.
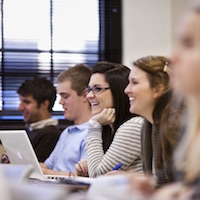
(95, 89)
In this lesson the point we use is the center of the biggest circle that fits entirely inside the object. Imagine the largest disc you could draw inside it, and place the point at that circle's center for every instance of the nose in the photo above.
(90, 95)
(126, 90)
(61, 102)
(21, 107)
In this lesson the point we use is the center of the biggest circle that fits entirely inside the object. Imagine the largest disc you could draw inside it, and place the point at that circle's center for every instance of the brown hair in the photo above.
(155, 67)
(79, 76)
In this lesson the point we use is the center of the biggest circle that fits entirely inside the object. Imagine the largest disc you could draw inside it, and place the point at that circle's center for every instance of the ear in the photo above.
(45, 104)
(84, 96)
(158, 91)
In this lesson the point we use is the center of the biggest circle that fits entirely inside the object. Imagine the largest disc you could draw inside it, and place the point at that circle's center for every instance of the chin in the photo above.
(95, 112)
(132, 110)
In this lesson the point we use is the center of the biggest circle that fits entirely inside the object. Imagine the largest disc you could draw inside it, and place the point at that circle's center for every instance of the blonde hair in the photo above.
(187, 154)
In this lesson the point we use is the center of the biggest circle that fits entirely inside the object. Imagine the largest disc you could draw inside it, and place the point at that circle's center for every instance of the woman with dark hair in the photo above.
(151, 97)
(114, 133)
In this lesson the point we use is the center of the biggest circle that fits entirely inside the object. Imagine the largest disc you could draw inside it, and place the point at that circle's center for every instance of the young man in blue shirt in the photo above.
(70, 147)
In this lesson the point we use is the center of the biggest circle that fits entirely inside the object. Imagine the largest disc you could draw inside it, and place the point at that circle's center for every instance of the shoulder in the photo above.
(52, 130)
(132, 126)
(138, 120)
(133, 122)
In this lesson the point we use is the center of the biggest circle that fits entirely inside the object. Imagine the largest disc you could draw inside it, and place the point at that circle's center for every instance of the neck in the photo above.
(196, 100)
(149, 116)
(150, 119)
(112, 128)
(84, 115)
(45, 115)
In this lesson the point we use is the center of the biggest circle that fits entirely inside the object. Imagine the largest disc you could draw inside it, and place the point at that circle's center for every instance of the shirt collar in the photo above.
(80, 127)
(42, 124)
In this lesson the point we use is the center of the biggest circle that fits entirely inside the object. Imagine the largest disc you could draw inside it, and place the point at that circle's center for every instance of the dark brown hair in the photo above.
(117, 77)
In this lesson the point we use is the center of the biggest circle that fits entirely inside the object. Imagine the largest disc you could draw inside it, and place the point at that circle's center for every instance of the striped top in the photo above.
(125, 148)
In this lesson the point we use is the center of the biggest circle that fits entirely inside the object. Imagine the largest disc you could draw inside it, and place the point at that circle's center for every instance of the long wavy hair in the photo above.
(156, 69)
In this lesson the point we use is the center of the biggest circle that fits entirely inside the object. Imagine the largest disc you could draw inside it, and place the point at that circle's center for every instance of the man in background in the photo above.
(37, 97)
(71, 145)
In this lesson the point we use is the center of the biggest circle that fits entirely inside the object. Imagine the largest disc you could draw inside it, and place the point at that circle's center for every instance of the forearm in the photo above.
(94, 150)
(59, 173)
(124, 149)
(43, 165)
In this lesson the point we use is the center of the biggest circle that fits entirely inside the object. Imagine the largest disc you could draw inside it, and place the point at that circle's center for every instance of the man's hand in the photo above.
(4, 158)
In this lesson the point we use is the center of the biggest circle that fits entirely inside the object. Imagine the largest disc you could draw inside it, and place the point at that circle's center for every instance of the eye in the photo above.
(97, 89)
(187, 42)
(88, 89)
(64, 96)
(134, 82)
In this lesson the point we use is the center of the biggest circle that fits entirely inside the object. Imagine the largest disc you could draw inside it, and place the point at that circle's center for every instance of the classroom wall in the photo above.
(149, 26)
(146, 28)
(178, 7)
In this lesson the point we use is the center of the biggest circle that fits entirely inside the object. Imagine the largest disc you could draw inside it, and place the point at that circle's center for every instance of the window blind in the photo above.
(46, 37)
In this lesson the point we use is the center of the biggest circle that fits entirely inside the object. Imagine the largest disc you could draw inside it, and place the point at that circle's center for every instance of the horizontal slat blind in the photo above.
(44, 38)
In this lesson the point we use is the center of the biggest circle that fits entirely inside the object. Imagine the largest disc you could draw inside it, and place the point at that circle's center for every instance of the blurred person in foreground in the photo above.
(186, 81)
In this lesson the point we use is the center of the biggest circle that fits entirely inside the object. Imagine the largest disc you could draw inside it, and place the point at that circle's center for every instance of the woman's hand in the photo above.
(105, 117)
(81, 168)
(142, 184)
(175, 191)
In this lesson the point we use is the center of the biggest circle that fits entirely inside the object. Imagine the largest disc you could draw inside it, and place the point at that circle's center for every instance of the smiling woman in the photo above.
(151, 96)
(114, 133)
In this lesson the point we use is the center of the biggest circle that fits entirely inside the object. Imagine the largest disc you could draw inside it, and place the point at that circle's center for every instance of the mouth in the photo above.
(64, 109)
(131, 99)
(94, 104)
(24, 114)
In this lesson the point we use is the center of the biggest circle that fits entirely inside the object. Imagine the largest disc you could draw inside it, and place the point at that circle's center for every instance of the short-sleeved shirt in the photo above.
(69, 149)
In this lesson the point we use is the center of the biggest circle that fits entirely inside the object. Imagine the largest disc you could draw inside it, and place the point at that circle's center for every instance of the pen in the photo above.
(118, 166)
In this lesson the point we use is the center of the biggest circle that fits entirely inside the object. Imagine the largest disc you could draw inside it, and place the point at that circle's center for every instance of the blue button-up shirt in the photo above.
(69, 149)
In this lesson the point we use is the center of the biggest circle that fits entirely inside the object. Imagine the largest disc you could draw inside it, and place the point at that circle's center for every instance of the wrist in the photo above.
(94, 123)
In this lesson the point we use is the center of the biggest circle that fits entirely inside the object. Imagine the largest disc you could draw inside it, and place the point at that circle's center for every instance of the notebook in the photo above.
(20, 151)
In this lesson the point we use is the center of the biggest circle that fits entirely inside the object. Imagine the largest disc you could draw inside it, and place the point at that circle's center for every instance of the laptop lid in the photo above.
(20, 151)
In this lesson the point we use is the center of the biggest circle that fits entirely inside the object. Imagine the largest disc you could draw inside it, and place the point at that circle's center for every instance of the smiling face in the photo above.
(186, 57)
(140, 93)
(104, 98)
(30, 109)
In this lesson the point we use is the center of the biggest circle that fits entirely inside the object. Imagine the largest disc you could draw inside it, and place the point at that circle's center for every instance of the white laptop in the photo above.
(20, 151)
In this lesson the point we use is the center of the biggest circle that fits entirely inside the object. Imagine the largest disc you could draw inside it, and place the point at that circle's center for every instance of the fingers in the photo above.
(105, 117)
(4, 158)
(81, 166)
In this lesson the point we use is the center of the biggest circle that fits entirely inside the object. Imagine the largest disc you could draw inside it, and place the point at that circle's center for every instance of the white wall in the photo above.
(178, 8)
(149, 26)
(146, 29)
